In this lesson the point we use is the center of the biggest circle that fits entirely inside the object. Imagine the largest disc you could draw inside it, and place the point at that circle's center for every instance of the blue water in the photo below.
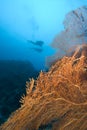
(22, 20)
(14, 47)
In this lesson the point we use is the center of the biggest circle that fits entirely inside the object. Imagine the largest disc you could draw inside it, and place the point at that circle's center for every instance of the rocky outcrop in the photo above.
(57, 99)
(74, 33)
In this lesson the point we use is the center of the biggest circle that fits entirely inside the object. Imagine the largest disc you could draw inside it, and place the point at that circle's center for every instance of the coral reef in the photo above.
(57, 100)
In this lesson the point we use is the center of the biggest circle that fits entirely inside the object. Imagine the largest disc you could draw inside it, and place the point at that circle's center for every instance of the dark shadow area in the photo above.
(13, 77)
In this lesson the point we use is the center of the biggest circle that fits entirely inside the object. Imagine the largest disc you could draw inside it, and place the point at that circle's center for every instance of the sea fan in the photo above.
(57, 99)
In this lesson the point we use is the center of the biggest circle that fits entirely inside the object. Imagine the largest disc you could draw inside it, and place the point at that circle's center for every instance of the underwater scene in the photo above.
(43, 48)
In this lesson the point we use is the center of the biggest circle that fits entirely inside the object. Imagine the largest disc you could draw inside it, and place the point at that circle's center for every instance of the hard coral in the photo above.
(58, 97)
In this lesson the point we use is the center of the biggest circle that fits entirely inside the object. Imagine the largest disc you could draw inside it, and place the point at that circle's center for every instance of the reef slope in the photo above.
(58, 97)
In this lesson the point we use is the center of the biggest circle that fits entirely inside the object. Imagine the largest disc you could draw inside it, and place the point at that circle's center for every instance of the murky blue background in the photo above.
(24, 20)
